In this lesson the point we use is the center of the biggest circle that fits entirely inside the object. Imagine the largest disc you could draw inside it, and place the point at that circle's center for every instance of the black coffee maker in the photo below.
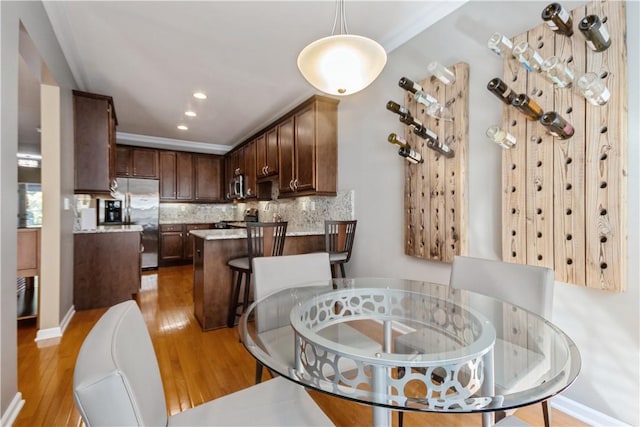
(112, 211)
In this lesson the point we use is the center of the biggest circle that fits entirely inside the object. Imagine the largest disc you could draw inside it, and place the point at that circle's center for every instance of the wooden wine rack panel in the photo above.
(436, 191)
(564, 202)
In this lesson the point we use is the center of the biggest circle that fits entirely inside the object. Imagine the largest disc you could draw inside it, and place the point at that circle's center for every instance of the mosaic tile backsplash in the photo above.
(302, 213)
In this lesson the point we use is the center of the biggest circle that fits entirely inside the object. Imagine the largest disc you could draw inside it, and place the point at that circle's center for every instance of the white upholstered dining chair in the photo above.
(117, 382)
(527, 286)
(271, 274)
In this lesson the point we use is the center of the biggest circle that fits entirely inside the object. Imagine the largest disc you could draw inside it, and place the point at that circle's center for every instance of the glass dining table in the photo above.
(402, 345)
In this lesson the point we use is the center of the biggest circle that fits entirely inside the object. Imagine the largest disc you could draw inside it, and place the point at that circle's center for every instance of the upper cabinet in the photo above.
(308, 149)
(134, 162)
(267, 153)
(94, 142)
(207, 177)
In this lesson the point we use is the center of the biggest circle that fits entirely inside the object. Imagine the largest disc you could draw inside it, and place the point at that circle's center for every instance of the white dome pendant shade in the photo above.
(342, 64)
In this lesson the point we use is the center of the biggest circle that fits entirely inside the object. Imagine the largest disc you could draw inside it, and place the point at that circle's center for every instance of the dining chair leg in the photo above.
(233, 306)
(400, 418)
(258, 372)
(546, 413)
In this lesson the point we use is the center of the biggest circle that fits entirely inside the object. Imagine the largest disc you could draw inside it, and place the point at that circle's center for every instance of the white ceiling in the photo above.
(150, 56)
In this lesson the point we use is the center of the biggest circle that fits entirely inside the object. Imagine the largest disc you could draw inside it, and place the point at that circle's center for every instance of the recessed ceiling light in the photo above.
(182, 127)
(199, 95)
(190, 113)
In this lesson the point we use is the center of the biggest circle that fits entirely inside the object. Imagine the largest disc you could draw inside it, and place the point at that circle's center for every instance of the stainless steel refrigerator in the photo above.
(141, 202)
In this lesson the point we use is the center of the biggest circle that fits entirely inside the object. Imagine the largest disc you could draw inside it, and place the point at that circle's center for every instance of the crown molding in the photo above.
(169, 143)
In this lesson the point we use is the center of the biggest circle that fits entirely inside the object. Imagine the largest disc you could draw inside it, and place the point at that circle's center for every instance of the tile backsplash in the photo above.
(302, 213)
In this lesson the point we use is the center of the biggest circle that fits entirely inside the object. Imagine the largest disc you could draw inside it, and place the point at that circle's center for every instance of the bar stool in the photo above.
(338, 241)
(263, 239)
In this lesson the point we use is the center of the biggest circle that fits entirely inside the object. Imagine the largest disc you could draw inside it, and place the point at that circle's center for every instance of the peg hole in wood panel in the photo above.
(603, 212)
(453, 192)
(539, 211)
(513, 211)
(568, 186)
(539, 235)
(604, 19)
(569, 59)
(422, 194)
(422, 210)
(569, 237)
(515, 78)
(540, 45)
(539, 257)
(569, 211)
(569, 110)
(603, 156)
(536, 139)
(604, 74)
(603, 265)
(569, 160)
(539, 164)
(453, 173)
(514, 123)
(513, 254)
(538, 187)
(513, 232)
(603, 184)
(513, 189)
(603, 129)
(513, 166)
(569, 261)
(603, 239)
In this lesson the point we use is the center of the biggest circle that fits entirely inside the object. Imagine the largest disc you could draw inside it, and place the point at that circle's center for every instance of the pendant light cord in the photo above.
(340, 11)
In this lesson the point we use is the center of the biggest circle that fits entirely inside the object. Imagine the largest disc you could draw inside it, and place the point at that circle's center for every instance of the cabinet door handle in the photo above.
(291, 185)
(295, 184)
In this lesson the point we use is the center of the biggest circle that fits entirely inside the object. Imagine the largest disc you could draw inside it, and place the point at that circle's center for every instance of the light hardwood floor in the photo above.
(196, 366)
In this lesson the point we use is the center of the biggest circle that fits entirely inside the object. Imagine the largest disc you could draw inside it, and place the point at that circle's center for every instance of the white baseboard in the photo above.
(10, 415)
(50, 333)
(584, 413)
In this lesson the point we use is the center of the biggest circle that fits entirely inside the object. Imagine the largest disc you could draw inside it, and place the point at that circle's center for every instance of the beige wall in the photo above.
(35, 20)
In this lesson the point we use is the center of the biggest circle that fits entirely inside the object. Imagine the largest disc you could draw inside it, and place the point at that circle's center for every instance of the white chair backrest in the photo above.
(116, 381)
(271, 274)
(527, 286)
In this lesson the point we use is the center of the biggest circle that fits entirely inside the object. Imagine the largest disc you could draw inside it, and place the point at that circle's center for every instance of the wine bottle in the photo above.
(528, 107)
(501, 137)
(434, 108)
(557, 125)
(558, 19)
(503, 47)
(437, 145)
(501, 90)
(397, 108)
(441, 72)
(405, 150)
(594, 30)
(557, 72)
(593, 89)
(528, 57)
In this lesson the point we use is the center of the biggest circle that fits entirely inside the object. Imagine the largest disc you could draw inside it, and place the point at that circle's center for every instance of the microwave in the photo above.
(236, 187)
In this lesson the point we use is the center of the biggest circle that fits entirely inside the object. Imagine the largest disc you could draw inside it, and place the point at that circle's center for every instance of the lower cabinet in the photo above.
(106, 268)
(176, 244)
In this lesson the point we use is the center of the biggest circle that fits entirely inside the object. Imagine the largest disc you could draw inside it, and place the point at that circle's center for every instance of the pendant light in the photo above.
(342, 64)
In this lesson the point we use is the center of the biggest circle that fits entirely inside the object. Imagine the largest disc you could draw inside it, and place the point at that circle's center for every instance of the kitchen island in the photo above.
(212, 278)
(106, 267)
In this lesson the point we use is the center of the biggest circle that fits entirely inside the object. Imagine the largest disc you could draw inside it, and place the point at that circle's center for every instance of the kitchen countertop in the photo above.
(240, 233)
(111, 229)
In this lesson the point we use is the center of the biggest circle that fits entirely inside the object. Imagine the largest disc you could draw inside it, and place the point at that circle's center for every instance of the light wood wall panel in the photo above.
(572, 192)
(436, 191)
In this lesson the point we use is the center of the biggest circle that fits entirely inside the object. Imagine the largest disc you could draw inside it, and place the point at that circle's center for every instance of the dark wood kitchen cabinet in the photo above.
(250, 183)
(176, 176)
(134, 162)
(176, 243)
(308, 149)
(95, 122)
(171, 242)
(106, 268)
(208, 177)
(267, 153)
